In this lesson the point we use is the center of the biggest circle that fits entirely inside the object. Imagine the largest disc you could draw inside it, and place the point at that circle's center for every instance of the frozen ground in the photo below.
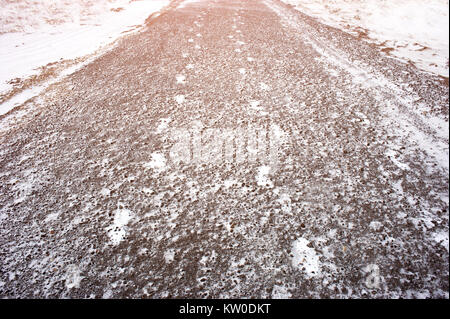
(413, 30)
(251, 151)
(41, 40)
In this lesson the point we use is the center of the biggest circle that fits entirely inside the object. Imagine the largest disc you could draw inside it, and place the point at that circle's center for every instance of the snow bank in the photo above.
(31, 15)
(415, 30)
(34, 33)
(187, 2)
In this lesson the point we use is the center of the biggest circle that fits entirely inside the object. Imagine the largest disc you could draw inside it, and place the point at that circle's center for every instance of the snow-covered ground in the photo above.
(34, 33)
(413, 30)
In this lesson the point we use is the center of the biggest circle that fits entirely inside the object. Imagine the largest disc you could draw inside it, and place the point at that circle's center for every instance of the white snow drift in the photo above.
(416, 30)
(34, 33)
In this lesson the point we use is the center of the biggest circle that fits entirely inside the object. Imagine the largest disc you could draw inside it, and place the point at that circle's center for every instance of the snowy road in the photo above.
(231, 149)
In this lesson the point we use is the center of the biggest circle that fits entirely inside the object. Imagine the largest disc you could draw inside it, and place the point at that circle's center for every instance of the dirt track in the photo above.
(229, 149)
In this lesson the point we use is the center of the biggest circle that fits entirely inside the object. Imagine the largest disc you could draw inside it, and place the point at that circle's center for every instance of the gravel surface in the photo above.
(230, 149)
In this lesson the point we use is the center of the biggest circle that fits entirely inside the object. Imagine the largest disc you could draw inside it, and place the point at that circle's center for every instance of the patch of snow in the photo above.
(105, 192)
(285, 202)
(416, 30)
(117, 231)
(277, 132)
(51, 217)
(73, 277)
(181, 79)
(254, 103)
(442, 238)
(108, 294)
(180, 99)
(164, 124)
(262, 177)
(169, 255)
(157, 163)
(186, 3)
(280, 292)
(229, 183)
(373, 278)
(264, 86)
(376, 226)
(305, 258)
